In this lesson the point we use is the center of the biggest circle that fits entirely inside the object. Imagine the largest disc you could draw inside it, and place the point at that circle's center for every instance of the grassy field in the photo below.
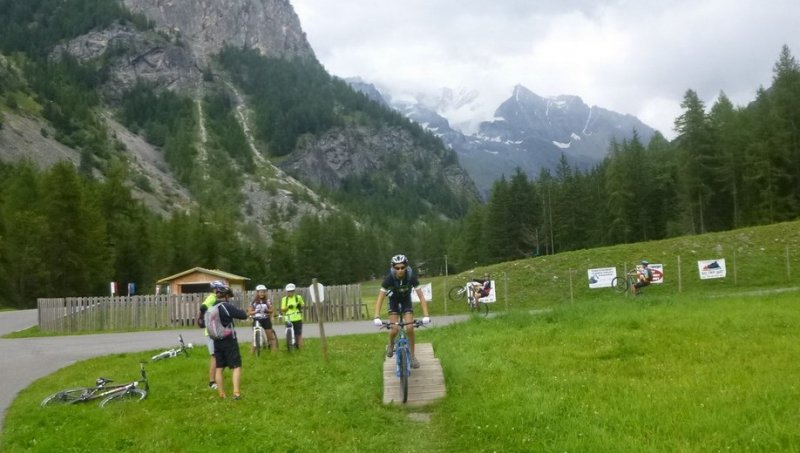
(673, 373)
(689, 366)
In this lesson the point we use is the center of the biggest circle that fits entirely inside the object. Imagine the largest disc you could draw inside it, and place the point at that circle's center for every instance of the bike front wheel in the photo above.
(456, 293)
(128, 395)
(65, 397)
(259, 342)
(405, 370)
(289, 340)
(620, 284)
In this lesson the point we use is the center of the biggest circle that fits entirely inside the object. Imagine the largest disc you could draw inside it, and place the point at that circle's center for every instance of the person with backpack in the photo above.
(644, 277)
(218, 289)
(291, 306)
(398, 284)
(219, 324)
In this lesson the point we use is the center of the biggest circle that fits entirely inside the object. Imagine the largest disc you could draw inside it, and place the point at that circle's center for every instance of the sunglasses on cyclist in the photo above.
(399, 268)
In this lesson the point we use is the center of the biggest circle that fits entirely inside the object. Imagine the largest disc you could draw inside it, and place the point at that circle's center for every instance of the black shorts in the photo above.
(227, 353)
(405, 306)
(266, 323)
(298, 328)
(641, 284)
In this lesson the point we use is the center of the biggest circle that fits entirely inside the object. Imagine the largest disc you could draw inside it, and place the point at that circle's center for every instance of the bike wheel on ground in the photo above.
(403, 363)
(289, 342)
(456, 293)
(65, 396)
(482, 308)
(129, 395)
(259, 342)
(620, 284)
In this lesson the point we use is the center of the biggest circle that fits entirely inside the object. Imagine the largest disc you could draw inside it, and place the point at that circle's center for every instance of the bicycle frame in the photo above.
(170, 353)
(291, 339)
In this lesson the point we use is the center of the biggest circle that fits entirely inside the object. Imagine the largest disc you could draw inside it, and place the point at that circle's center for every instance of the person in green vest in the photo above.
(291, 306)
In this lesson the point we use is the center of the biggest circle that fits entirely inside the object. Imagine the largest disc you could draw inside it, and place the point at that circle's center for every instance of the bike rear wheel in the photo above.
(128, 395)
(405, 370)
(620, 284)
(456, 293)
(65, 396)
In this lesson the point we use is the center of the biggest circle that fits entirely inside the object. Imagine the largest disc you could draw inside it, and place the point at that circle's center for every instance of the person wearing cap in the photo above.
(644, 277)
(291, 305)
(261, 310)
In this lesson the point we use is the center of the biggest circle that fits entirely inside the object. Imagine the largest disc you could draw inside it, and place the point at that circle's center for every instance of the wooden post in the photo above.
(323, 339)
(788, 266)
(679, 274)
(444, 297)
(571, 295)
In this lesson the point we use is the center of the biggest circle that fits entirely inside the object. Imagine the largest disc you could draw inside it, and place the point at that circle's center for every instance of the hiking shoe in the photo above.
(414, 362)
(390, 350)
(212, 385)
(236, 396)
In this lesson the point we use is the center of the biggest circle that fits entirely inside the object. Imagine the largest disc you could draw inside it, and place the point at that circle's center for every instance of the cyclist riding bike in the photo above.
(261, 310)
(481, 287)
(397, 285)
(644, 275)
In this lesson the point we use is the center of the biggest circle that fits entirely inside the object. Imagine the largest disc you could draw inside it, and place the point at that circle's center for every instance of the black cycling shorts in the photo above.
(405, 306)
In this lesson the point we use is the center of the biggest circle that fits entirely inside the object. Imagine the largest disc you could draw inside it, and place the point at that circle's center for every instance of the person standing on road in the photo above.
(226, 350)
(291, 306)
(398, 285)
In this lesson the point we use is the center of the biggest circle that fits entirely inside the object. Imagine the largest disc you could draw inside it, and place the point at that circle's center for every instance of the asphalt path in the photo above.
(29, 359)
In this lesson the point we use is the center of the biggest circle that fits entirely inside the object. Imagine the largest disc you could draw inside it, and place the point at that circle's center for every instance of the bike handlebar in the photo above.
(415, 323)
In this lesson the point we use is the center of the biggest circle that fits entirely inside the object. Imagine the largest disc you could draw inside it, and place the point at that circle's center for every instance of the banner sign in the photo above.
(658, 273)
(711, 268)
(601, 277)
(427, 290)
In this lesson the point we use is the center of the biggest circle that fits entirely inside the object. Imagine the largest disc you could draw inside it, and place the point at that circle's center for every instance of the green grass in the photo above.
(666, 373)
(704, 366)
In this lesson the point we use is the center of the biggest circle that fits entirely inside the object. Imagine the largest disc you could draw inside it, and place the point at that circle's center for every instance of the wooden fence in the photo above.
(76, 314)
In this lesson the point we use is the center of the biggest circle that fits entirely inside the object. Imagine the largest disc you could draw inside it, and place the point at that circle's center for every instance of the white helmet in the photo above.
(261, 288)
(290, 287)
(399, 259)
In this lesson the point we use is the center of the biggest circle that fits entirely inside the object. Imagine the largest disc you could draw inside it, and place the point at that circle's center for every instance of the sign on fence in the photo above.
(601, 277)
(427, 290)
(711, 268)
(658, 273)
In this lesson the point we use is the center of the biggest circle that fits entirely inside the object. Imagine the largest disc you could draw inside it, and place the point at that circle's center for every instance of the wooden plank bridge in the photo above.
(425, 385)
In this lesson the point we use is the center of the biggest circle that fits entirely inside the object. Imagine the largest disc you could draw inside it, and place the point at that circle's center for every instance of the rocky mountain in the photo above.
(527, 131)
(176, 53)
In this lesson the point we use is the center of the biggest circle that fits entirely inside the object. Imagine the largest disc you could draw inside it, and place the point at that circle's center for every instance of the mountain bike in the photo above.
(259, 337)
(459, 293)
(291, 340)
(174, 352)
(136, 391)
(402, 353)
(623, 284)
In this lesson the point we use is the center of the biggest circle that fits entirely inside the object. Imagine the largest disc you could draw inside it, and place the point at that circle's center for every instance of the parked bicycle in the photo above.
(174, 352)
(136, 391)
(402, 353)
(291, 340)
(459, 293)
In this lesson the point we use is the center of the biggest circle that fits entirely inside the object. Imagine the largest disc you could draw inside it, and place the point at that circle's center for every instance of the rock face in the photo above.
(270, 26)
(137, 56)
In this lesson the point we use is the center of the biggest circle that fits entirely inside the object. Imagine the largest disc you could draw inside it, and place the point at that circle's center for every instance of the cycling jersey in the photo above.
(290, 306)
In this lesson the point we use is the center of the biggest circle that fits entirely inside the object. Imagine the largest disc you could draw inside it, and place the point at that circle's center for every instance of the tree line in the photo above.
(728, 167)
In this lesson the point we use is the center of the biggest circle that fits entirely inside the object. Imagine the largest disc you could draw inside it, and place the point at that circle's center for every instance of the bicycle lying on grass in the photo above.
(174, 352)
(459, 293)
(135, 391)
(402, 352)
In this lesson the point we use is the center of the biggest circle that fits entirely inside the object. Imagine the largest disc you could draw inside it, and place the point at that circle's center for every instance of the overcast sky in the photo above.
(631, 56)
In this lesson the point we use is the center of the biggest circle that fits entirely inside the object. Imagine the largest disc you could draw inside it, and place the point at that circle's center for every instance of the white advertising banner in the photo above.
(658, 273)
(427, 290)
(711, 268)
(601, 277)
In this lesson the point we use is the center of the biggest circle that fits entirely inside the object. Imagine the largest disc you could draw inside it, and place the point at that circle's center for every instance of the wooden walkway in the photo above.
(425, 385)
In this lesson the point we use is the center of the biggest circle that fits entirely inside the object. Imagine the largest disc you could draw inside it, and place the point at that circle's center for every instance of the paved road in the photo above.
(33, 358)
